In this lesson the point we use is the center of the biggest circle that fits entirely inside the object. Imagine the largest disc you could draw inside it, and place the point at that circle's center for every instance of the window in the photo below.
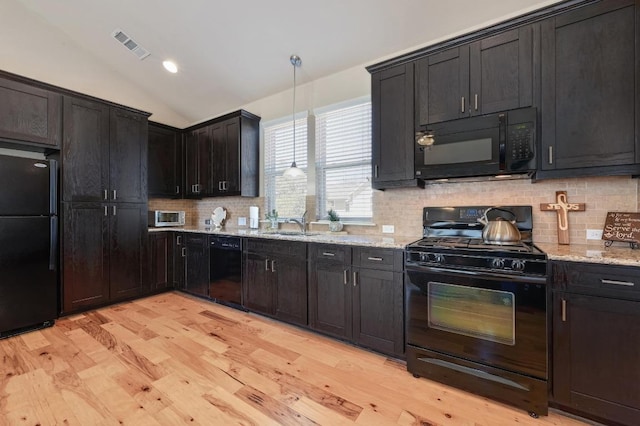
(343, 162)
(286, 195)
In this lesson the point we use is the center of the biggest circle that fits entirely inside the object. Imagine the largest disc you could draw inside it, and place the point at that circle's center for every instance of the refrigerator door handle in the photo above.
(53, 243)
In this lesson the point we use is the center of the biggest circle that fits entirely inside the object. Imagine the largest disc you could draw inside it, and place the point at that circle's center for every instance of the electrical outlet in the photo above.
(594, 234)
(388, 229)
(242, 221)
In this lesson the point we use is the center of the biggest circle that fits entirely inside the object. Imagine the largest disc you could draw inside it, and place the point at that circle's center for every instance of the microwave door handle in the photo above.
(502, 141)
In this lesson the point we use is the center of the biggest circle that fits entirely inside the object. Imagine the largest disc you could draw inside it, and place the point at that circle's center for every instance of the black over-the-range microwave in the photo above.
(487, 145)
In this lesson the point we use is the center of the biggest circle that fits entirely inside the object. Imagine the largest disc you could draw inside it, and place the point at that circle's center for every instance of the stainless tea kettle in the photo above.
(499, 230)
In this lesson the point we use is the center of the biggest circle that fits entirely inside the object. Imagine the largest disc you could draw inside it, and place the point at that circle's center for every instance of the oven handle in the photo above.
(478, 274)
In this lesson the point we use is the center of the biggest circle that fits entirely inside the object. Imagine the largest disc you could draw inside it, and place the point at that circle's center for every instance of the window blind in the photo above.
(343, 162)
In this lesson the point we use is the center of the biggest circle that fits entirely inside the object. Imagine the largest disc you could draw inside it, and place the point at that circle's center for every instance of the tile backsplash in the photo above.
(402, 208)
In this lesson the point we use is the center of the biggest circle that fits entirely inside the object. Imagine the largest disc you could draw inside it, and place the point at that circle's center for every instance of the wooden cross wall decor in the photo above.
(562, 208)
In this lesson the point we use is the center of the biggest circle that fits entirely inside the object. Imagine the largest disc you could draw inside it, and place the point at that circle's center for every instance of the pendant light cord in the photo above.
(294, 111)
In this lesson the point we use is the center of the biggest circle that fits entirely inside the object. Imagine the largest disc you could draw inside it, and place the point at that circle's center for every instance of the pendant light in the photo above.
(294, 171)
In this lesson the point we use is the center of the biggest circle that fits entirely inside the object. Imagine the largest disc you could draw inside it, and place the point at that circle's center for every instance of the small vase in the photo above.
(335, 226)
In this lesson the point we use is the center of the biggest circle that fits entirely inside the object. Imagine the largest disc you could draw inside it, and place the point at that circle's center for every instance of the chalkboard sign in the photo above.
(622, 227)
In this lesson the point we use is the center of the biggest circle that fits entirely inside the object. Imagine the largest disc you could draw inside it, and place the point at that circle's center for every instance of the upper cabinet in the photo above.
(221, 157)
(490, 75)
(104, 156)
(165, 161)
(392, 131)
(590, 91)
(29, 114)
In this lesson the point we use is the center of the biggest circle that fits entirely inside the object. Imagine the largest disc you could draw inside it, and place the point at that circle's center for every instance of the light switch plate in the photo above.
(388, 229)
(242, 221)
(594, 234)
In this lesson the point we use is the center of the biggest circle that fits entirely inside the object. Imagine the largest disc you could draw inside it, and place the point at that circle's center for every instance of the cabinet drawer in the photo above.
(330, 253)
(194, 239)
(597, 279)
(378, 258)
(295, 249)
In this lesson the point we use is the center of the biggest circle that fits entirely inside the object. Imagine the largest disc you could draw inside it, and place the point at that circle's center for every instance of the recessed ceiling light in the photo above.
(170, 66)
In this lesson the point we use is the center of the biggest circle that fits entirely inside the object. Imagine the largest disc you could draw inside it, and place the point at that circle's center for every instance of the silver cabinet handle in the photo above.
(184, 252)
(326, 253)
(104, 195)
(106, 212)
(462, 104)
(179, 240)
(376, 259)
(220, 186)
(564, 310)
(355, 278)
(375, 171)
(614, 282)
(476, 102)
(114, 210)
(346, 277)
(266, 265)
(550, 155)
(273, 266)
(178, 189)
(115, 194)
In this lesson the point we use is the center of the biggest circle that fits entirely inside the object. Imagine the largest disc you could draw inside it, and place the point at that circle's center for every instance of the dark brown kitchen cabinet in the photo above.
(490, 75)
(392, 155)
(165, 161)
(359, 299)
(103, 251)
(197, 154)
(275, 279)
(179, 257)
(30, 114)
(196, 264)
(160, 261)
(590, 91)
(596, 330)
(104, 153)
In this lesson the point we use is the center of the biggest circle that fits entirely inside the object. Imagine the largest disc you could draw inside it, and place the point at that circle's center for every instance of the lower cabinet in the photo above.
(196, 264)
(103, 253)
(275, 279)
(596, 335)
(179, 256)
(357, 294)
(160, 261)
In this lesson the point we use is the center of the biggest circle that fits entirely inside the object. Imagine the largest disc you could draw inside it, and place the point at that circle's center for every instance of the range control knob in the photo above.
(518, 265)
(497, 263)
(438, 258)
(424, 257)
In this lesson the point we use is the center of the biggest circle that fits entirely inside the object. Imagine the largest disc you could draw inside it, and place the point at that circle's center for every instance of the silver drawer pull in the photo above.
(377, 259)
(346, 277)
(326, 253)
(625, 283)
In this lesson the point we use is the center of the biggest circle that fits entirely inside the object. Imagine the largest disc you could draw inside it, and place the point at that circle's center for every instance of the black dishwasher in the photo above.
(225, 270)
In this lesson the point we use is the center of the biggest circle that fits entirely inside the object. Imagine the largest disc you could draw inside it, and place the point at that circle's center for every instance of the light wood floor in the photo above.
(172, 359)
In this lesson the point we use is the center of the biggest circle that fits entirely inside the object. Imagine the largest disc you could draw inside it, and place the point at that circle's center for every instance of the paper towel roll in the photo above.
(254, 217)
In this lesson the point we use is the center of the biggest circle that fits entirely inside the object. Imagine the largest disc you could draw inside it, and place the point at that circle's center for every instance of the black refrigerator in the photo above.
(28, 244)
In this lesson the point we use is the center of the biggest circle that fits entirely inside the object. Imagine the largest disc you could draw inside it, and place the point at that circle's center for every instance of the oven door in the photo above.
(492, 319)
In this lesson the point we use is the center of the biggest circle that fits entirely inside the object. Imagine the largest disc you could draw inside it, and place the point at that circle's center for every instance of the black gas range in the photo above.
(453, 238)
(476, 311)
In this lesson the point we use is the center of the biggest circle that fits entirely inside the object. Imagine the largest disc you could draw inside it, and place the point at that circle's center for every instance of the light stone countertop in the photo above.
(395, 242)
(593, 253)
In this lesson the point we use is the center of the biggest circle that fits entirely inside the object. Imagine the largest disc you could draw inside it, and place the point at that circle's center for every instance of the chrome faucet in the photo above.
(302, 222)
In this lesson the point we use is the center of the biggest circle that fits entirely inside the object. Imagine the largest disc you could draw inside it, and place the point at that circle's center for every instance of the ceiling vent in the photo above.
(133, 47)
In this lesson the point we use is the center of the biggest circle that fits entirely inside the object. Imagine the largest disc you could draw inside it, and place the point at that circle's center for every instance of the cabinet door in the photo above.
(291, 289)
(127, 245)
(165, 162)
(378, 310)
(29, 114)
(197, 163)
(128, 156)
(589, 87)
(232, 164)
(197, 264)
(218, 158)
(85, 260)
(442, 85)
(85, 150)
(258, 284)
(179, 256)
(501, 72)
(160, 260)
(330, 298)
(595, 356)
(392, 125)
